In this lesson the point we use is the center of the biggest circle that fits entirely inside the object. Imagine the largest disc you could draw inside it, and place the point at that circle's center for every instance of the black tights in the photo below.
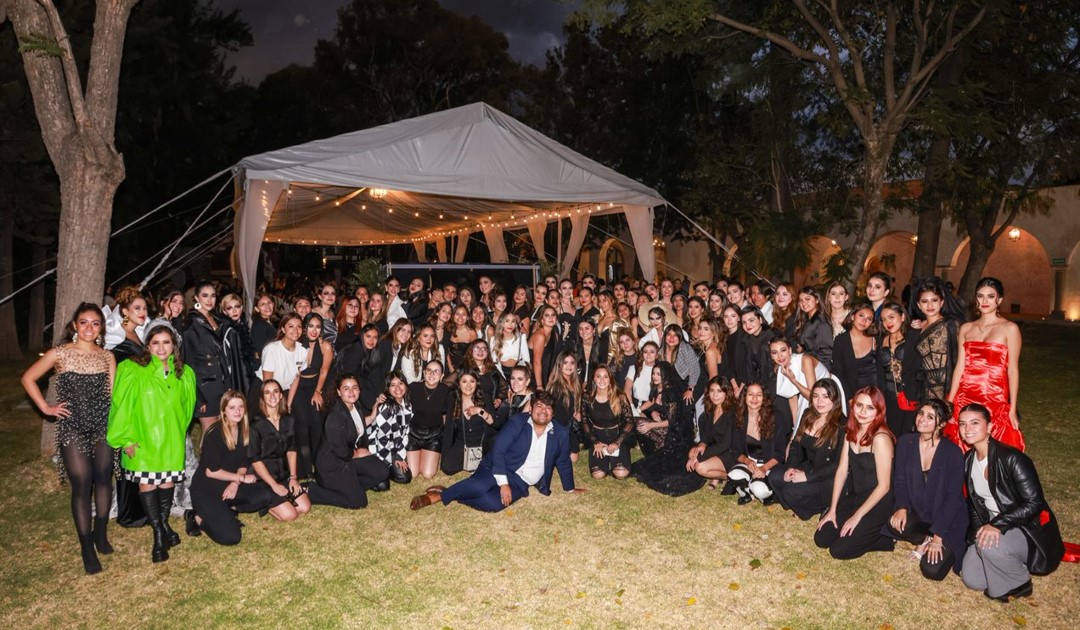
(86, 473)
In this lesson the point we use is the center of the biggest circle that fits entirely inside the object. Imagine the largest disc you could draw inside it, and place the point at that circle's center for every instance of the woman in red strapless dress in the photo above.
(987, 368)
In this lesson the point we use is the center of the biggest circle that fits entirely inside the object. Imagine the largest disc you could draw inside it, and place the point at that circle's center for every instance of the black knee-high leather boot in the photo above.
(165, 501)
(149, 501)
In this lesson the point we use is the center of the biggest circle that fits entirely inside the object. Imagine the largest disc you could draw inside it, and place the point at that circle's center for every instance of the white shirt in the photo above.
(284, 364)
(358, 420)
(395, 311)
(767, 312)
(514, 349)
(533, 469)
(982, 487)
(415, 373)
(642, 385)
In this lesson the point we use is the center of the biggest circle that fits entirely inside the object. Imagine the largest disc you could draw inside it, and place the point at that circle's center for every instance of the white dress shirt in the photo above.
(532, 470)
(395, 311)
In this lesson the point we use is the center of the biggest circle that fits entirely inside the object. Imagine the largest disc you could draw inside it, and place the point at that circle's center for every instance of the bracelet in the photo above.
(318, 391)
(292, 477)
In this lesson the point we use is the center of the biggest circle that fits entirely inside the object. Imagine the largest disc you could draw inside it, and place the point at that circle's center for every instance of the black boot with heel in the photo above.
(149, 501)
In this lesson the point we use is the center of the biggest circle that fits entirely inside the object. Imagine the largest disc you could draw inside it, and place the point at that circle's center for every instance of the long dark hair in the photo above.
(477, 396)
(766, 419)
(725, 386)
(833, 421)
(390, 402)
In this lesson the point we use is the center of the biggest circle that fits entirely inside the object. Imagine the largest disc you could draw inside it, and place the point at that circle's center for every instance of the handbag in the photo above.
(473, 454)
(903, 403)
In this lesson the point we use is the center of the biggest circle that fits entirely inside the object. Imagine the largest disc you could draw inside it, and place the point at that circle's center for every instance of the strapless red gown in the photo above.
(985, 381)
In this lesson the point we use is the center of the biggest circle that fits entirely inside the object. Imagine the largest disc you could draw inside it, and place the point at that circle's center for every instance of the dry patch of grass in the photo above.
(620, 556)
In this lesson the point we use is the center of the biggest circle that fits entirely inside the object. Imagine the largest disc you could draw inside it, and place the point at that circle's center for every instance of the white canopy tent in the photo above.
(428, 179)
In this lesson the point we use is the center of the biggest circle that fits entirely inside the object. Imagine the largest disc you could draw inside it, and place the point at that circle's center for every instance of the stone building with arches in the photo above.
(1037, 259)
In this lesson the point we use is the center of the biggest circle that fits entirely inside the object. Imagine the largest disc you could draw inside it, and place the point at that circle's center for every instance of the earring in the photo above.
(98, 341)
(125, 321)
(74, 337)
(198, 306)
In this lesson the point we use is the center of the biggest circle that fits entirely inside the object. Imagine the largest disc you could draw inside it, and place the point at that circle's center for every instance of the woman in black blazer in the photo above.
(929, 507)
(804, 483)
(758, 442)
(1009, 516)
(344, 467)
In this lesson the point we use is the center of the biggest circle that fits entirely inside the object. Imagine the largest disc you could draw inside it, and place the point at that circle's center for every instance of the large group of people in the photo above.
(885, 421)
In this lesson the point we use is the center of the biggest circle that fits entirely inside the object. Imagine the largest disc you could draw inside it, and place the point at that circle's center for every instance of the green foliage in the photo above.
(836, 269)
(40, 45)
(369, 272)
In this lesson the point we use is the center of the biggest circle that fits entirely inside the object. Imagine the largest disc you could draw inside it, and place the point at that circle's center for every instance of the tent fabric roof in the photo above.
(443, 173)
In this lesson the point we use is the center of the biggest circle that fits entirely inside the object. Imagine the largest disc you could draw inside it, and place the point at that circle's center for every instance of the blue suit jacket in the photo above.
(512, 447)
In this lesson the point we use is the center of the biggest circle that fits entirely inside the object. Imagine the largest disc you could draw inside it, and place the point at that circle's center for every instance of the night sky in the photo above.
(285, 31)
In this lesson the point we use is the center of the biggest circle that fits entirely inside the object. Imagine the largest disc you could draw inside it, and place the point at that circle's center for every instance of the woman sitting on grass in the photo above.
(714, 432)
(344, 467)
(758, 441)
(862, 487)
(928, 478)
(389, 422)
(804, 484)
(273, 454)
(222, 485)
(607, 423)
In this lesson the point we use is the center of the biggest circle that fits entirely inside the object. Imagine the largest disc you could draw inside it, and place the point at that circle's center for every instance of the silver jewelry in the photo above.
(198, 306)
(74, 337)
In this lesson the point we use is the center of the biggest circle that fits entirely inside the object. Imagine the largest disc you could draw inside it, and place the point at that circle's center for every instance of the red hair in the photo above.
(877, 426)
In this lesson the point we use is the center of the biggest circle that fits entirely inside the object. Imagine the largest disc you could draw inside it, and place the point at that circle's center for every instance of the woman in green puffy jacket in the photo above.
(153, 402)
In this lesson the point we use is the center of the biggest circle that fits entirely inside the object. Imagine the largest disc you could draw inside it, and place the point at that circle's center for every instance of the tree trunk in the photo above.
(35, 336)
(980, 248)
(931, 210)
(9, 335)
(86, 197)
(873, 209)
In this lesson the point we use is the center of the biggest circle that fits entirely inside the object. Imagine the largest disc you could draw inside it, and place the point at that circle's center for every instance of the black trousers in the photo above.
(916, 531)
(219, 515)
(867, 535)
(347, 488)
(309, 426)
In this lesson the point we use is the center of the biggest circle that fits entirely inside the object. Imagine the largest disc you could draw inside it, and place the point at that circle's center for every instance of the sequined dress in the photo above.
(82, 384)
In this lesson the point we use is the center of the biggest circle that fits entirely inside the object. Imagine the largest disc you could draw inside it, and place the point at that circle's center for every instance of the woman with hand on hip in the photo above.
(84, 383)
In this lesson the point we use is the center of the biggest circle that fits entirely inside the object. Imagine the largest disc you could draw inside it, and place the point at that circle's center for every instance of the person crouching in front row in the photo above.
(526, 452)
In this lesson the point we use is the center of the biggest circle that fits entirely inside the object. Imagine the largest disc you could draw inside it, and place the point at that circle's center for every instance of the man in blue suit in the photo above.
(526, 452)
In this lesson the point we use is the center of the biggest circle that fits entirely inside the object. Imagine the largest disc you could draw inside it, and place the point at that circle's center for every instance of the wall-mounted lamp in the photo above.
(1014, 234)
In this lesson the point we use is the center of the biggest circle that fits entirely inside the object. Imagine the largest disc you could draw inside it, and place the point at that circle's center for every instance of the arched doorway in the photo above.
(612, 259)
(893, 253)
(1022, 265)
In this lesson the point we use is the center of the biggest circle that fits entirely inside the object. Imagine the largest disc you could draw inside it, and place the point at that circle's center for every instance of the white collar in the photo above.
(547, 430)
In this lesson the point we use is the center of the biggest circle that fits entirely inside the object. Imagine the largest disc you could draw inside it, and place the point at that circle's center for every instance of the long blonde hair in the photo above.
(616, 396)
(244, 431)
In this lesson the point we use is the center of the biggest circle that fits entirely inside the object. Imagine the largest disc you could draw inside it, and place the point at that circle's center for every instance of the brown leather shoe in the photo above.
(423, 500)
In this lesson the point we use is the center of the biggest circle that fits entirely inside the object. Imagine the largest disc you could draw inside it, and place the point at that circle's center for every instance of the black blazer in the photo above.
(939, 501)
(716, 436)
(340, 439)
(819, 463)
(203, 350)
(750, 359)
(1015, 487)
(770, 449)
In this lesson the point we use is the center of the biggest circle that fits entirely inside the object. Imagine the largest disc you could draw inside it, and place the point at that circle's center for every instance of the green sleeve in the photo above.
(125, 408)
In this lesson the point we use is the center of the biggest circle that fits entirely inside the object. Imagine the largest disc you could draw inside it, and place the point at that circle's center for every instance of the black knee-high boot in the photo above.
(89, 556)
(149, 501)
(101, 536)
(165, 501)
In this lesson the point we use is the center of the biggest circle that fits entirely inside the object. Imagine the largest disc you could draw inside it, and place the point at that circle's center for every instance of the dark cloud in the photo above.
(285, 31)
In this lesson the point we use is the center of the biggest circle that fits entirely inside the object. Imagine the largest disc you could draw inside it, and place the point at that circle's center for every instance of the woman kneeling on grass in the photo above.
(862, 487)
(1014, 533)
(222, 485)
(273, 453)
(344, 467)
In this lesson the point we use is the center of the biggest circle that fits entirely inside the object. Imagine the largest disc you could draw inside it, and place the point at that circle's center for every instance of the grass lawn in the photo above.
(620, 556)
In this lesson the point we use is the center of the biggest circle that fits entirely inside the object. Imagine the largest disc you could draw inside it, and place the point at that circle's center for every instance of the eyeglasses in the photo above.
(433, 371)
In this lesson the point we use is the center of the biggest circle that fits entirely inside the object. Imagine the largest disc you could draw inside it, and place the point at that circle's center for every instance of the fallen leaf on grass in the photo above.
(568, 621)
(580, 595)
(1020, 620)
(737, 526)
(755, 564)
(618, 601)
(801, 575)
(690, 601)
(508, 512)
(600, 522)
(556, 539)
(885, 626)
(734, 586)
(887, 577)
(619, 593)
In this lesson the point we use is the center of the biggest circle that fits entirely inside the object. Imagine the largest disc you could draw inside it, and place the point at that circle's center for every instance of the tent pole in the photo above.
(558, 250)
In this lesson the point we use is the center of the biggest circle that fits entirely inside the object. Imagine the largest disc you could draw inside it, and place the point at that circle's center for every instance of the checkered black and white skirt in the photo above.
(154, 478)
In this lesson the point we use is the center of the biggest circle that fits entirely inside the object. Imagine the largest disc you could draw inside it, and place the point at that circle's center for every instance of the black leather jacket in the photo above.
(204, 352)
(1015, 487)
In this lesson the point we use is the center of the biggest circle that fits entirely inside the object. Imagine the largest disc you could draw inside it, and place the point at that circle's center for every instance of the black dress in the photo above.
(867, 535)
(219, 515)
(854, 372)
(271, 446)
(715, 435)
(461, 432)
(664, 470)
(309, 420)
(890, 363)
(262, 333)
(600, 424)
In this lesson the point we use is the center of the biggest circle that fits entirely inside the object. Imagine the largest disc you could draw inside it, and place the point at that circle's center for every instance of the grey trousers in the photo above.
(999, 570)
